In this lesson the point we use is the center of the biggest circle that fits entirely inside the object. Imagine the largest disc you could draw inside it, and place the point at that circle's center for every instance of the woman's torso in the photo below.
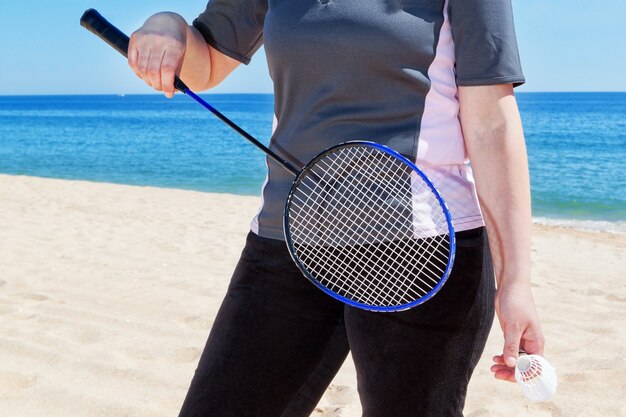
(381, 70)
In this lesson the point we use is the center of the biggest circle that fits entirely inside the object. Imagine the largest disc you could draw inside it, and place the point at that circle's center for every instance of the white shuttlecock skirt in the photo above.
(536, 377)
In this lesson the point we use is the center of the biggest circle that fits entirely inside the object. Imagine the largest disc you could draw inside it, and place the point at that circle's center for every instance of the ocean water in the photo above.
(577, 155)
(576, 146)
(139, 140)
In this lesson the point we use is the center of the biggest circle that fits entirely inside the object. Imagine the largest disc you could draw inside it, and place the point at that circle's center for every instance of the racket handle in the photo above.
(94, 22)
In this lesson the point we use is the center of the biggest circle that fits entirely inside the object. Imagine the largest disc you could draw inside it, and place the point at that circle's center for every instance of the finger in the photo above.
(501, 369)
(169, 65)
(505, 376)
(512, 336)
(133, 57)
(136, 59)
(142, 66)
(154, 70)
(133, 54)
(503, 372)
(498, 359)
(532, 343)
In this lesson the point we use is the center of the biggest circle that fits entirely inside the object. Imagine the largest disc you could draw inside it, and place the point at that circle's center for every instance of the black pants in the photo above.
(278, 341)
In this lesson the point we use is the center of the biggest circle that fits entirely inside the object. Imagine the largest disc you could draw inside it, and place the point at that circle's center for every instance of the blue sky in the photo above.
(566, 45)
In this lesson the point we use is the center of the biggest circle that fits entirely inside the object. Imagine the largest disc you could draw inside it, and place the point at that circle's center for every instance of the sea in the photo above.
(576, 146)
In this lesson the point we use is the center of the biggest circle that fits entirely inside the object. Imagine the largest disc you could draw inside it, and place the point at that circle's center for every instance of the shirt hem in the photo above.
(516, 80)
(468, 223)
(460, 225)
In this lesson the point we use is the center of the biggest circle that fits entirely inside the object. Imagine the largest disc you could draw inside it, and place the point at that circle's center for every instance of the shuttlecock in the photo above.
(536, 377)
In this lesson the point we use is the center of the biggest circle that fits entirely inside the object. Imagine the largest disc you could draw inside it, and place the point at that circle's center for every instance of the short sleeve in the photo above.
(233, 27)
(484, 42)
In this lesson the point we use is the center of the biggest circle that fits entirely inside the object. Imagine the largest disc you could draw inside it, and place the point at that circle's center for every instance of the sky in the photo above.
(565, 45)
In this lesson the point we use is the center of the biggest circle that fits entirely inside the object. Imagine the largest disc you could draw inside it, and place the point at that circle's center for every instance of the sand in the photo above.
(107, 293)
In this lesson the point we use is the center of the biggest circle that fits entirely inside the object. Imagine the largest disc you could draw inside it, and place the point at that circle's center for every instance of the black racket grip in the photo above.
(94, 22)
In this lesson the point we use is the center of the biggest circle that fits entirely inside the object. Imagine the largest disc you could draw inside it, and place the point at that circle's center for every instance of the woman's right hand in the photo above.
(156, 50)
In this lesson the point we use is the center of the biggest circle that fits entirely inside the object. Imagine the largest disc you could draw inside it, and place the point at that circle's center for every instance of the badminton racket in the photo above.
(362, 222)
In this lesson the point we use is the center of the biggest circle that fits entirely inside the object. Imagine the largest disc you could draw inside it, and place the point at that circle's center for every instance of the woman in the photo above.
(432, 79)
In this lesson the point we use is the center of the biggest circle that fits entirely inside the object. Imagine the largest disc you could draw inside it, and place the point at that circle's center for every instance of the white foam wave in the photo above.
(616, 228)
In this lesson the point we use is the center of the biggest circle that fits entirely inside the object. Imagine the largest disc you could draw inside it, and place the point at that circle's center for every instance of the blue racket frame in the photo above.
(333, 294)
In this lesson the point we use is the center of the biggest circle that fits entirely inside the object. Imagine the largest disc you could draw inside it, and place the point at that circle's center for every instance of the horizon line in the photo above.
(257, 93)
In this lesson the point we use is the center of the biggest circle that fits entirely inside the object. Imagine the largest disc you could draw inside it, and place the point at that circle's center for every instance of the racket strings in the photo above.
(357, 197)
(395, 269)
(395, 187)
(379, 290)
(432, 268)
(373, 217)
(354, 225)
(323, 257)
(394, 237)
(368, 284)
(371, 282)
(361, 286)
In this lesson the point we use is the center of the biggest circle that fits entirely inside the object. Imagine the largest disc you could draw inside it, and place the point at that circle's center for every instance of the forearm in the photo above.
(495, 144)
(196, 68)
(203, 66)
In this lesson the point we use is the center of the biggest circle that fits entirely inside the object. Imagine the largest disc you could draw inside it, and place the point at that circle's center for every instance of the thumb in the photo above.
(512, 336)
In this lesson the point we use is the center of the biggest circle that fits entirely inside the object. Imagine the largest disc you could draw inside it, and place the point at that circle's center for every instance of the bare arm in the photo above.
(166, 45)
(495, 144)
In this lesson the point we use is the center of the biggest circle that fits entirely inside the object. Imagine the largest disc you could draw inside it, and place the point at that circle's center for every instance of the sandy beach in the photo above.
(107, 294)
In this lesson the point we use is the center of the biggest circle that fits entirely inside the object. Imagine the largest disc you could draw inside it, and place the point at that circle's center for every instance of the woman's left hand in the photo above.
(519, 322)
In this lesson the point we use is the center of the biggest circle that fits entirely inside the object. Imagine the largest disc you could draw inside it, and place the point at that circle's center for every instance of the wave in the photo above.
(616, 228)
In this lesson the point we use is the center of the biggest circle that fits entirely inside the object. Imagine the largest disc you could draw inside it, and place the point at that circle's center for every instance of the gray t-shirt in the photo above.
(354, 70)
